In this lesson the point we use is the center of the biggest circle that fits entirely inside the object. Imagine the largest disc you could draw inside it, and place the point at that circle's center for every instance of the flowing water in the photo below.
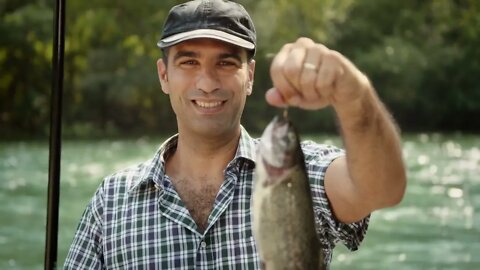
(437, 225)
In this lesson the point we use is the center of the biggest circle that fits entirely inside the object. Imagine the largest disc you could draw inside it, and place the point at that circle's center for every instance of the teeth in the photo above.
(208, 104)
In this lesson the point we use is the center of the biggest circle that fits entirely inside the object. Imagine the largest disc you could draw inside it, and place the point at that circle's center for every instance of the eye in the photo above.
(188, 62)
(226, 63)
(229, 64)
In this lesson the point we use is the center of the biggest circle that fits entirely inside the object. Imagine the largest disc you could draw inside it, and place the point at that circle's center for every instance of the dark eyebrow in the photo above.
(180, 54)
(231, 55)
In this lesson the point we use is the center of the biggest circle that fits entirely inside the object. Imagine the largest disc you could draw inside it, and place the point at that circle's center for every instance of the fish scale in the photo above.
(282, 208)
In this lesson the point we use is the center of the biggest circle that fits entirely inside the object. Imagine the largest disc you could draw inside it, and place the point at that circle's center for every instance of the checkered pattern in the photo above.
(136, 219)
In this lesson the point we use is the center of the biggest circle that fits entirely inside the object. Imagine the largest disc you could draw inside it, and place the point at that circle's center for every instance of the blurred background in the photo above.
(422, 57)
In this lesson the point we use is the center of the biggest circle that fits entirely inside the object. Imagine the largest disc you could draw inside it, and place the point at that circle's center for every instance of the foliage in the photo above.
(421, 56)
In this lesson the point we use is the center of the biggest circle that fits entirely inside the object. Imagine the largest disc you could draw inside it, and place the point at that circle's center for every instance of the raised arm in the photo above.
(372, 175)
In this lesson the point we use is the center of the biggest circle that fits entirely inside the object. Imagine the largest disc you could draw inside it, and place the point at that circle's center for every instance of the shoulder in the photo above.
(323, 153)
(127, 179)
(315, 153)
(318, 158)
(149, 171)
(116, 189)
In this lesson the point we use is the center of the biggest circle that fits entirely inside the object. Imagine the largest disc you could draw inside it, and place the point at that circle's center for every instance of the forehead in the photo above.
(205, 46)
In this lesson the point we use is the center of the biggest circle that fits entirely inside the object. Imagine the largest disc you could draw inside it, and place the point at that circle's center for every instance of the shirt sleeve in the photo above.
(86, 250)
(331, 231)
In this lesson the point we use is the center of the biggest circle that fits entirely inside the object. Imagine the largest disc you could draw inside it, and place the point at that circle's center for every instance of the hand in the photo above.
(308, 75)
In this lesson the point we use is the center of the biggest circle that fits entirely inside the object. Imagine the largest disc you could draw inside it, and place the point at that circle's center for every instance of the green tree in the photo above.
(421, 57)
(25, 57)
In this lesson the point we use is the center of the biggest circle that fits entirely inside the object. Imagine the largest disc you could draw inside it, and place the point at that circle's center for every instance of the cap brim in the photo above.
(205, 33)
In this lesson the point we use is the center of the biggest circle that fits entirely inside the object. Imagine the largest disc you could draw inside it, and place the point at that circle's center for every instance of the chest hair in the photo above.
(199, 198)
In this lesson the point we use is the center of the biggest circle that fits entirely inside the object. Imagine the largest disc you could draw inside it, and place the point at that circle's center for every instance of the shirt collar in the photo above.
(246, 146)
(154, 169)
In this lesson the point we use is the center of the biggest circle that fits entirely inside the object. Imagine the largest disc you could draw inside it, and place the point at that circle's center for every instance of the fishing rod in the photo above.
(51, 240)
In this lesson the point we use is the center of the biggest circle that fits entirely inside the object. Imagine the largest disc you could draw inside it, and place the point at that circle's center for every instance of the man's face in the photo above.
(208, 82)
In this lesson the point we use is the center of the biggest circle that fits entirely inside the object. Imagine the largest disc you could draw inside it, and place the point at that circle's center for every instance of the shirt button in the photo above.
(203, 244)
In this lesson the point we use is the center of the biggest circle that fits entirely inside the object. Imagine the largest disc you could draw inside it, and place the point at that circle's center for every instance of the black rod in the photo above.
(51, 241)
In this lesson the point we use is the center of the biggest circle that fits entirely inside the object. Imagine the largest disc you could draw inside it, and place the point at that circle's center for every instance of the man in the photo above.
(189, 207)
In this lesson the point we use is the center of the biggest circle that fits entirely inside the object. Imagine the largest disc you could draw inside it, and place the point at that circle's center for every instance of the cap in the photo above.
(218, 19)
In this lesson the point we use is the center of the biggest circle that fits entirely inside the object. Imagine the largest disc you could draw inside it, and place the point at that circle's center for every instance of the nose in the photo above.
(208, 80)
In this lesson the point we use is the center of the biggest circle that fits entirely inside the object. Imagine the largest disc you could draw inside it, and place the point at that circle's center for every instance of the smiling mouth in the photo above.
(208, 105)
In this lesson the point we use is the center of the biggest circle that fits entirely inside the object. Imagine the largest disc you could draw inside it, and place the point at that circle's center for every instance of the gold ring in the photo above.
(310, 66)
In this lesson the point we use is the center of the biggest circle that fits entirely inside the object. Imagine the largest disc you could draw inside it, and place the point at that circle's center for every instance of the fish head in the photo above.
(279, 147)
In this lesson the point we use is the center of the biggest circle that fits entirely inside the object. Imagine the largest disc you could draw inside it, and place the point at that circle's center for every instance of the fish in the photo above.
(283, 222)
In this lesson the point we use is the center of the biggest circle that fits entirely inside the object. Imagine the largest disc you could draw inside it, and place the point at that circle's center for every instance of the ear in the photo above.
(162, 75)
(251, 75)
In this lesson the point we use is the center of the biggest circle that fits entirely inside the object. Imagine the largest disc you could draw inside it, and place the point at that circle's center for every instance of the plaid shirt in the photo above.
(136, 219)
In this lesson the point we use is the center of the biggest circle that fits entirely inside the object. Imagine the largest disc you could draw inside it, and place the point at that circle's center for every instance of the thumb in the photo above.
(274, 98)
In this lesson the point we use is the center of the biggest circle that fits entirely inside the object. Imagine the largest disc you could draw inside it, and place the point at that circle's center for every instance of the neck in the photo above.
(205, 158)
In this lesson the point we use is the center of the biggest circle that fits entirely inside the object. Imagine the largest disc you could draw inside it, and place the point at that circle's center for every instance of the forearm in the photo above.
(308, 75)
(374, 156)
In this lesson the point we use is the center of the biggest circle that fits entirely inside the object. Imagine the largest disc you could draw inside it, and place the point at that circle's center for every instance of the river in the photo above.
(437, 225)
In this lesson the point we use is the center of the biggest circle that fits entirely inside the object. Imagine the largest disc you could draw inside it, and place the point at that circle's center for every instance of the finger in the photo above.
(290, 73)
(309, 73)
(280, 82)
(304, 42)
(274, 98)
(295, 60)
(330, 70)
(292, 69)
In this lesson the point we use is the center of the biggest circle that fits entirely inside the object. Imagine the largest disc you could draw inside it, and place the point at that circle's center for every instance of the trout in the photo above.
(282, 208)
